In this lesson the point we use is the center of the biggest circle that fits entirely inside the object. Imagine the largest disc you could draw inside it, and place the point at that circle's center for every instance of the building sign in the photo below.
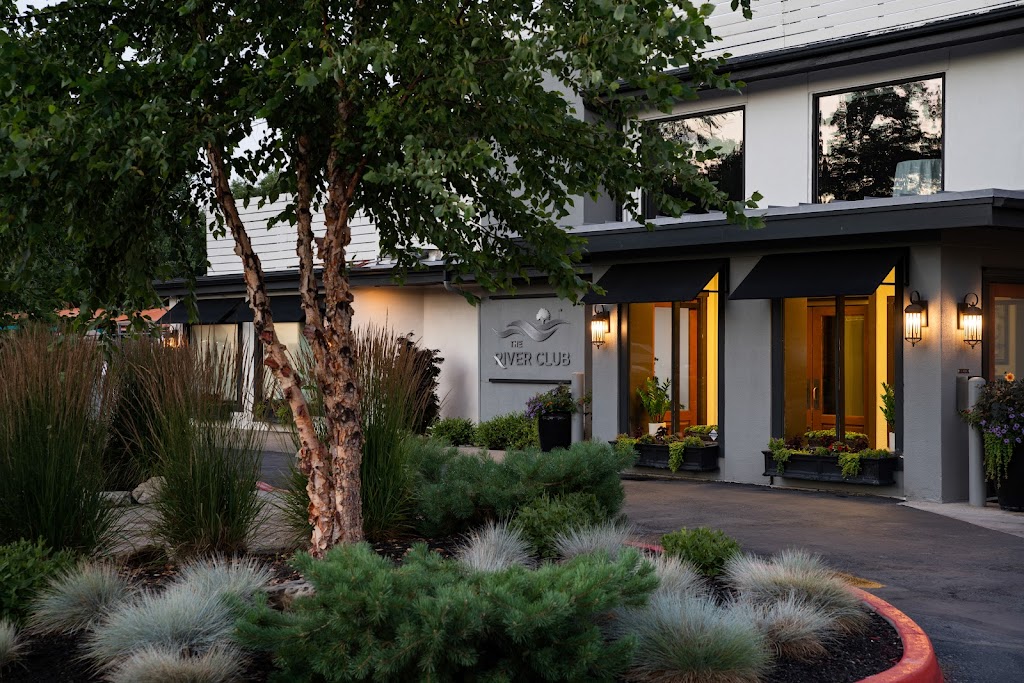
(526, 345)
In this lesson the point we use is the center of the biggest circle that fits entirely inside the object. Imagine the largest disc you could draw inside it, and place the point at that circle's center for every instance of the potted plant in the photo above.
(889, 412)
(694, 452)
(553, 411)
(656, 401)
(999, 416)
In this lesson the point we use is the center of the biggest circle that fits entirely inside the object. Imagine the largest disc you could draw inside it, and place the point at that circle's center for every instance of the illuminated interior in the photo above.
(677, 341)
(812, 374)
(219, 341)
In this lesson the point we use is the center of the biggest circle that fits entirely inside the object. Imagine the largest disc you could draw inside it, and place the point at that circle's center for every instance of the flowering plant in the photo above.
(999, 415)
(558, 400)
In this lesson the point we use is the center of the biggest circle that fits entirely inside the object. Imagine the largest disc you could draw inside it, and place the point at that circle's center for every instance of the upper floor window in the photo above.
(882, 141)
(703, 132)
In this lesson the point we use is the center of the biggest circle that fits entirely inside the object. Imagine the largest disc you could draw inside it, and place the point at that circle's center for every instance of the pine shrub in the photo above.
(455, 492)
(457, 431)
(544, 520)
(429, 618)
(25, 569)
(708, 550)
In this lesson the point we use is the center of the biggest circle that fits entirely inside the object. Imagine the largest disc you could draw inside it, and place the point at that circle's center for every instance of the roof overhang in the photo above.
(884, 220)
(846, 51)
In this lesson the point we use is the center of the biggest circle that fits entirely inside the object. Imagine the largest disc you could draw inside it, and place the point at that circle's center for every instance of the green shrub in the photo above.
(513, 431)
(701, 430)
(708, 550)
(545, 519)
(677, 450)
(54, 405)
(208, 502)
(625, 444)
(459, 491)
(431, 618)
(25, 569)
(458, 431)
(855, 441)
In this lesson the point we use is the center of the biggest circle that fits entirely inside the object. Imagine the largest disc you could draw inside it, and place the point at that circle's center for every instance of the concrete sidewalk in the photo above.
(963, 584)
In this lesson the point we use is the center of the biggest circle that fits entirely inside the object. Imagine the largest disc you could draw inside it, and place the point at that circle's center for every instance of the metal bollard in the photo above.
(975, 450)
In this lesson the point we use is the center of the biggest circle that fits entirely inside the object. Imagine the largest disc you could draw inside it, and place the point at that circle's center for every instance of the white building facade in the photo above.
(886, 140)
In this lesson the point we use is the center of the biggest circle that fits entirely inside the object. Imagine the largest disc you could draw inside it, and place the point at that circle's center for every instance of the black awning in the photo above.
(853, 272)
(285, 309)
(210, 311)
(627, 283)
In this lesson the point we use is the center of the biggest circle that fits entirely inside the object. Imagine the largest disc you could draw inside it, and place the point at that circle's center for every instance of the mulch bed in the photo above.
(58, 659)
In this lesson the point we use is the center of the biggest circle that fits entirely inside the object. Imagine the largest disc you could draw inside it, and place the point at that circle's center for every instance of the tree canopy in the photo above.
(470, 125)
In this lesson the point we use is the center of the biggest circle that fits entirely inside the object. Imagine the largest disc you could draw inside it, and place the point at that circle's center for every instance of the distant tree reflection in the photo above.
(863, 135)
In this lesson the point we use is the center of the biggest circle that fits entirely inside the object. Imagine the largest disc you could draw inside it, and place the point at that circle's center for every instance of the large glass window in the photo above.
(883, 141)
(819, 382)
(1006, 349)
(721, 131)
(219, 344)
(675, 343)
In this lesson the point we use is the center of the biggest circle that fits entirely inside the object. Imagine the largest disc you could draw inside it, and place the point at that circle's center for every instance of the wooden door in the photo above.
(822, 372)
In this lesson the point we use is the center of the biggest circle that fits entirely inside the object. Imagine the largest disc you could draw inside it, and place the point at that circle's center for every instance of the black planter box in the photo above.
(873, 471)
(694, 459)
(1010, 492)
(554, 430)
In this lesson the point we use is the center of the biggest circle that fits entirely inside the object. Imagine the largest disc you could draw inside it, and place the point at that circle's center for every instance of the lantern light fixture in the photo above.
(600, 326)
(969, 319)
(915, 316)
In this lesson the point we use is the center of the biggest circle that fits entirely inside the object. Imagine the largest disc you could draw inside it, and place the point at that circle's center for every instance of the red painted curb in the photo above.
(918, 664)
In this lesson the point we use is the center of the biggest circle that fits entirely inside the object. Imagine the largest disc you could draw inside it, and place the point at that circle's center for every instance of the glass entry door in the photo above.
(822, 370)
(1006, 350)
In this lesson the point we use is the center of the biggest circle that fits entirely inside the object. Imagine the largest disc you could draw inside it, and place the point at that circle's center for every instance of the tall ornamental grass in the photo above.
(54, 401)
(210, 464)
(392, 373)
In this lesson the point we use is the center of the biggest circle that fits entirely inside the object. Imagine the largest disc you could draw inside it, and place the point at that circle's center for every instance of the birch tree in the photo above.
(470, 125)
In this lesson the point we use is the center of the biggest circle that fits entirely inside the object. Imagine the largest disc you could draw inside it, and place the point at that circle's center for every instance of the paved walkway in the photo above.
(963, 584)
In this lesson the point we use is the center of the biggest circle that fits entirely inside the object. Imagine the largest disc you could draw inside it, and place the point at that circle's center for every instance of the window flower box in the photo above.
(873, 471)
(695, 459)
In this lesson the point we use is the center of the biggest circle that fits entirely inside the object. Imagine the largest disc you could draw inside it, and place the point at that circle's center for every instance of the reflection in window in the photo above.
(884, 141)
(218, 345)
(724, 131)
(812, 369)
(675, 341)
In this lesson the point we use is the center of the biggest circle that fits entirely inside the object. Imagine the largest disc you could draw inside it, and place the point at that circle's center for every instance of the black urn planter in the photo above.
(873, 471)
(554, 431)
(703, 459)
(1010, 492)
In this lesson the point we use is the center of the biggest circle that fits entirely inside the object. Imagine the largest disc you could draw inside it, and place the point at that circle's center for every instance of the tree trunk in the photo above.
(314, 459)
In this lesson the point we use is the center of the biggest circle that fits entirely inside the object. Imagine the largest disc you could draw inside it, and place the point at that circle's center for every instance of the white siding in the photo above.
(780, 24)
(276, 246)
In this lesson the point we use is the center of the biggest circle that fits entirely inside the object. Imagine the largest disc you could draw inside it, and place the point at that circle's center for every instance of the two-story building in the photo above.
(887, 142)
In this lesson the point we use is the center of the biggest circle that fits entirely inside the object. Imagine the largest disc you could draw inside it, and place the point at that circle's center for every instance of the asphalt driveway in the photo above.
(963, 584)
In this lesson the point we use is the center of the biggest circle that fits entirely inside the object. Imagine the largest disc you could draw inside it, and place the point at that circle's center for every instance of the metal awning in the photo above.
(210, 311)
(285, 309)
(852, 272)
(626, 283)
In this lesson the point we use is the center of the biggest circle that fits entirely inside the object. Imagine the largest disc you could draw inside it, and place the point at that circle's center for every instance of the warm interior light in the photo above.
(600, 326)
(915, 316)
(970, 320)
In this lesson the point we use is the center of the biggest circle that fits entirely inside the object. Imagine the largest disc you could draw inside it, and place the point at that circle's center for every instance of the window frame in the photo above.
(815, 131)
(647, 208)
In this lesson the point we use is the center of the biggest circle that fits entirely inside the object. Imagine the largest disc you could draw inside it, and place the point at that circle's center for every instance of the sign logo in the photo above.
(544, 328)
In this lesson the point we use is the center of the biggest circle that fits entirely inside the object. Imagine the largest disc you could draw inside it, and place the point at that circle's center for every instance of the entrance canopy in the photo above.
(285, 309)
(855, 272)
(629, 283)
(210, 311)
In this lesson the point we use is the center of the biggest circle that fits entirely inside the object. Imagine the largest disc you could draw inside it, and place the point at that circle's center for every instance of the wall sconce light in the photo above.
(968, 319)
(600, 325)
(915, 316)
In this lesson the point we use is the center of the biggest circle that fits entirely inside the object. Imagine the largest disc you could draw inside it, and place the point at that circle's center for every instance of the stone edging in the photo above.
(918, 664)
